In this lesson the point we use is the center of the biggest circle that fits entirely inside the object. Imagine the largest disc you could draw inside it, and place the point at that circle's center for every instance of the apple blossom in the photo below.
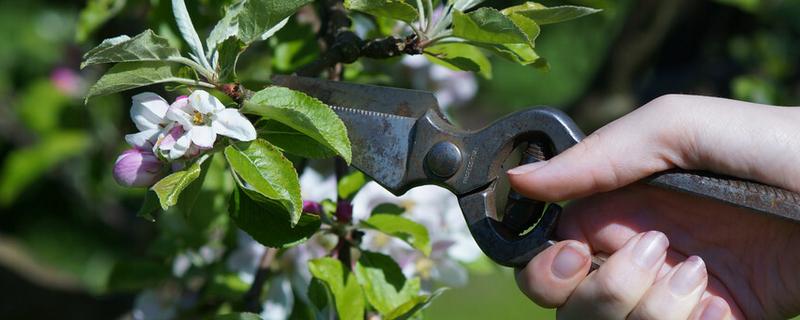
(203, 117)
(137, 168)
(148, 112)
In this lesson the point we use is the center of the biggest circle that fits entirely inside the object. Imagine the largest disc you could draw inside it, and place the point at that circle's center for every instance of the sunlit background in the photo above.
(70, 241)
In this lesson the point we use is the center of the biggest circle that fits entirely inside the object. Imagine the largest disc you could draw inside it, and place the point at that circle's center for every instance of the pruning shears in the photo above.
(401, 139)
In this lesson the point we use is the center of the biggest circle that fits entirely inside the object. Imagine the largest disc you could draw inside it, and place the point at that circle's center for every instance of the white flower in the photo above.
(203, 117)
(451, 88)
(148, 112)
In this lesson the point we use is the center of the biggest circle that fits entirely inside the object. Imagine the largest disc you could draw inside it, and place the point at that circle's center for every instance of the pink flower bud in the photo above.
(137, 168)
(312, 207)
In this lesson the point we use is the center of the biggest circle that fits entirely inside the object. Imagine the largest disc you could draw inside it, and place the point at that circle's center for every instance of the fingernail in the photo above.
(688, 277)
(526, 168)
(569, 260)
(716, 309)
(649, 249)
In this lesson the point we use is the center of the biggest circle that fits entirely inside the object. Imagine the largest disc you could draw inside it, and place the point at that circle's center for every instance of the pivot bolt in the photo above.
(444, 159)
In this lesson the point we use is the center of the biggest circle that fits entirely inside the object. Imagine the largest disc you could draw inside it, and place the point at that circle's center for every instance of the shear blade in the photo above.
(380, 123)
(396, 101)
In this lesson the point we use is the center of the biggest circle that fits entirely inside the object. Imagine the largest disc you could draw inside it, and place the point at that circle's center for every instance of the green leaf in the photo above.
(409, 231)
(146, 46)
(95, 14)
(388, 208)
(304, 114)
(23, 166)
(487, 25)
(228, 55)
(520, 53)
(544, 15)
(291, 140)
(528, 26)
(260, 19)
(464, 5)
(350, 184)
(238, 316)
(317, 293)
(129, 75)
(395, 9)
(460, 56)
(383, 282)
(150, 206)
(169, 188)
(266, 171)
(411, 307)
(189, 195)
(347, 294)
(269, 223)
(189, 33)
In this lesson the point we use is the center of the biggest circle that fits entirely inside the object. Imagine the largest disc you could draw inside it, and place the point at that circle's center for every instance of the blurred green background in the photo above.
(65, 224)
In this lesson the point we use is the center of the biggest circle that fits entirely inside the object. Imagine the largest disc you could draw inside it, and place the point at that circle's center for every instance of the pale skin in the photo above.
(671, 256)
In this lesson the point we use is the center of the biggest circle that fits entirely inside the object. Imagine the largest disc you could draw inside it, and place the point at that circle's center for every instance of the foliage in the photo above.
(216, 182)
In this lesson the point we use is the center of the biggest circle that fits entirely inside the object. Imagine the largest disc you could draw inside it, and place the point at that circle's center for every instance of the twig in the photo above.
(252, 298)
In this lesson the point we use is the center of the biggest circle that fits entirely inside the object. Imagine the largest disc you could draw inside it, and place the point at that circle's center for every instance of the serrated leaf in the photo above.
(266, 171)
(129, 75)
(520, 53)
(411, 307)
(189, 195)
(269, 223)
(487, 25)
(343, 286)
(146, 46)
(547, 15)
(23, 166)
(304, 114)
(260, 19)
(400, 227)
(460, 56)
(291, 140)
(189, 33)
(150, 206)
(383, 282)
(349, 185)
(169, 188)
(527, 25)
(225, 28)
(227, 56)
(395, 9)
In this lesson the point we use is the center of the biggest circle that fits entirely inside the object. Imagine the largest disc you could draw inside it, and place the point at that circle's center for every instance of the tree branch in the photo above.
(252, 298)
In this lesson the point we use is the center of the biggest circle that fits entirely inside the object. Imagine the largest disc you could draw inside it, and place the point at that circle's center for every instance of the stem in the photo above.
(252, 298)
(205, 72)
(422, 21)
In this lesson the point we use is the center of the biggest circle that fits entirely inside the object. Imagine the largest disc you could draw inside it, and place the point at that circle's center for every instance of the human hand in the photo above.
(743, 263)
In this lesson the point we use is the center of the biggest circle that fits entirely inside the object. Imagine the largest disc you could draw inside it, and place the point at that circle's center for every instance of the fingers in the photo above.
(692, 132)
(712, 308)
(554, 273)
(675, 295)
(614, 290)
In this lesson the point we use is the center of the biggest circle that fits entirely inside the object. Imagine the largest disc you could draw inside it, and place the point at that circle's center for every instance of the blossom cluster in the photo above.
(173, 133)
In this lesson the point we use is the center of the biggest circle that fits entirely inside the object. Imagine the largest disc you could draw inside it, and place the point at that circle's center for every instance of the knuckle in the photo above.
(613, 291)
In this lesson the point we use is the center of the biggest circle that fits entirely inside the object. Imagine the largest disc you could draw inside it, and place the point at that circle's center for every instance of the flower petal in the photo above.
(204, 102)
(180, 147)
(181, 112)
(148, 110)
(229, 122)
(142, 139)
(203, 136)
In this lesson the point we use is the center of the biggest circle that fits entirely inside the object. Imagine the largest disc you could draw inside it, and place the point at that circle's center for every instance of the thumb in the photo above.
(618, 154)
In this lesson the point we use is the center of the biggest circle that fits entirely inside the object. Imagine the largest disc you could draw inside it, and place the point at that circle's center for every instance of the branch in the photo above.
(252, 298)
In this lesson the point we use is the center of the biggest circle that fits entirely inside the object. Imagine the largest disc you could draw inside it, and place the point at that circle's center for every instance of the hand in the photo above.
(720, 262)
